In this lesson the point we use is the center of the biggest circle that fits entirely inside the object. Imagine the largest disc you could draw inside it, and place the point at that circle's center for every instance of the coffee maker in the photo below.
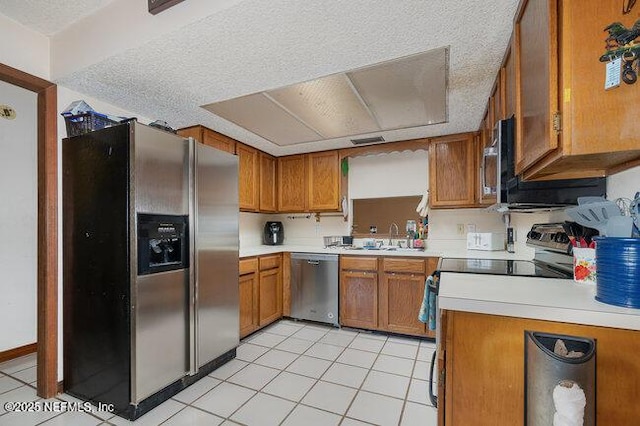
(273, 233)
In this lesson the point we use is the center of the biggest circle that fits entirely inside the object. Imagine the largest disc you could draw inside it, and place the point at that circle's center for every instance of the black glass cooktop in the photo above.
(520, 268)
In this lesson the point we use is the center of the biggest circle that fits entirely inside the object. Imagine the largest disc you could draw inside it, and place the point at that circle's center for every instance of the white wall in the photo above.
(624, 184)
(24, 49)
(18, 218)
(394, 174)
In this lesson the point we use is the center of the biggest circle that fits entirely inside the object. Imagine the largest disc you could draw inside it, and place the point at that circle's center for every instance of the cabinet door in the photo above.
(452, 171)
(292, 183)
(400, 299)
(192, 132)
(248, 304)
(359, 299)
(247, 177)
(270, 296)
(268, 199)
(324, 181)
(509, 76)
(484, 355)
(536, 49)
(594, 120)
(219, 141)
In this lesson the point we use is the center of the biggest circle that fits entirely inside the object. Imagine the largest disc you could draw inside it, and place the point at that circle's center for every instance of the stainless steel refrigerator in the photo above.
(150, 264)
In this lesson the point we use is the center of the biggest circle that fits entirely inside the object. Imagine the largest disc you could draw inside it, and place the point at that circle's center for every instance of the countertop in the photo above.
(428, 252)
(535, 298)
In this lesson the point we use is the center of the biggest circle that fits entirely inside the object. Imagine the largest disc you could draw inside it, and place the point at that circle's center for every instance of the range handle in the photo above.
(432, 397)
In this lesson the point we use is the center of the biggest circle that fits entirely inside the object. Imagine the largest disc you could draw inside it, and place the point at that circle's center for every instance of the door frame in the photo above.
(47, 292)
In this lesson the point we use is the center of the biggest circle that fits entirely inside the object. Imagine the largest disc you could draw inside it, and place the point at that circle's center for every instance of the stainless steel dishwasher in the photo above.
(314, 287)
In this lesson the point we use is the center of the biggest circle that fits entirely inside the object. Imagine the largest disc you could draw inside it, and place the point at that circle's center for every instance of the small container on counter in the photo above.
(584, 265)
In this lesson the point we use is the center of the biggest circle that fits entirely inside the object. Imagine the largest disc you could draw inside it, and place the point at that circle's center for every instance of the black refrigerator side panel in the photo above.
(96, 271)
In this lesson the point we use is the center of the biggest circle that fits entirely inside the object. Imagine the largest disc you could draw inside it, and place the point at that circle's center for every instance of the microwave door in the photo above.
(490, 173)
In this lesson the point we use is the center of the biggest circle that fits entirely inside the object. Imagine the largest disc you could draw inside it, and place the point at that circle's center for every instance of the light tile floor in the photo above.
(291, 373)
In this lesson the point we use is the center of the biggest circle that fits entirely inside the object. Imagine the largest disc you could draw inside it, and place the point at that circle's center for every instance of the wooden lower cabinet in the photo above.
(270, 298)
(359, 299)
(484, 369)
(384, 293)
(248, 304)
(260, 288)
(400, 299)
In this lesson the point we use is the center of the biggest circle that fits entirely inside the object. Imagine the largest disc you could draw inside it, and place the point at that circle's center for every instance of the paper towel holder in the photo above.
(544, 369)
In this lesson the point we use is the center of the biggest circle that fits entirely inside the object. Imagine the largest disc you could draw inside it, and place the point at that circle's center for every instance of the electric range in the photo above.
(553, 257)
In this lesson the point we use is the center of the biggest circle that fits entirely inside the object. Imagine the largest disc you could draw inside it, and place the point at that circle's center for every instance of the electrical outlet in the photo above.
(460, 228)
(317, 227)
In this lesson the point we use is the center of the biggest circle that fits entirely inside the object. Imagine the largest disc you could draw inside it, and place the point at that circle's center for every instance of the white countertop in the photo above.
(429, 252)
(261, 250)
(547, 299)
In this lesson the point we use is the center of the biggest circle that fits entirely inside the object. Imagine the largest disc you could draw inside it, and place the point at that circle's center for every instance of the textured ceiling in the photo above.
(49, 16)
(256, 45)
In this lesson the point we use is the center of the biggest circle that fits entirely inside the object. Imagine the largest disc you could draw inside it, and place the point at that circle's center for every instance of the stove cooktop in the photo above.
(520, 268)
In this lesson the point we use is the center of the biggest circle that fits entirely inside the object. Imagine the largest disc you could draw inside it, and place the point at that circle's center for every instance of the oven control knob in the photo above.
(533, 235)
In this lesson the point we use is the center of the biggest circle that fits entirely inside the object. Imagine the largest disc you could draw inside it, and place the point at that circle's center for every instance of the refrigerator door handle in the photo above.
(193, 264)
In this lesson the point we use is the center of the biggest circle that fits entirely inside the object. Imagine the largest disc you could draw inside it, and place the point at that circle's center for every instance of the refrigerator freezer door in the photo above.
(161, 172)
(216, 252)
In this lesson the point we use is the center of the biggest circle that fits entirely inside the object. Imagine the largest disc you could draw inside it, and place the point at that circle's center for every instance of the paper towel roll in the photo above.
(569, 400)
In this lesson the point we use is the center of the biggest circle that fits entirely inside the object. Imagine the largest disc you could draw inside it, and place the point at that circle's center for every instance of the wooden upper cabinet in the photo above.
(536, 43)
(292, 186)
(508, 75)
(452, 171)
(248, 177)
(568, 125)
(192, 132)
(324, 181)
(268, 188)
(219, 141)
(209, 137)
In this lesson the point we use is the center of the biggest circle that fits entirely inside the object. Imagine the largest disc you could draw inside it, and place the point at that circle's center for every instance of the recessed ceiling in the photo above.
(400, 94)
(203, 52)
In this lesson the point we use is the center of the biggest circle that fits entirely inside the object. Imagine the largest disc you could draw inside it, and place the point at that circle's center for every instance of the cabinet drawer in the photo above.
(248, 265)
(390, 264)
(357, 263)
(269, 262)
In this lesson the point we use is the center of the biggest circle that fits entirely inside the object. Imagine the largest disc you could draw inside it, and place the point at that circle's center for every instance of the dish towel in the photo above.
(427, 312)
(423, 205)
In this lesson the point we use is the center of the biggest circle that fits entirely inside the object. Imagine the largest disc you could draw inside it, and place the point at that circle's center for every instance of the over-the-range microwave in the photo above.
(512, 193)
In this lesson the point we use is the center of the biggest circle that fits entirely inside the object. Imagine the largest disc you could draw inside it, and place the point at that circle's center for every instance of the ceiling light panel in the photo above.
(329, 105)
(258, 114)
(408, 92)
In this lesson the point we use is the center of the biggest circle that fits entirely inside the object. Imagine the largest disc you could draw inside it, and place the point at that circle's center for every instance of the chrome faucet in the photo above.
(391, 232)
